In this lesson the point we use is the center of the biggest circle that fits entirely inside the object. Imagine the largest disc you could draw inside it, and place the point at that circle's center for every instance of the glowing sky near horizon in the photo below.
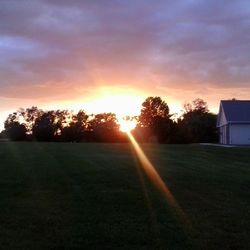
(99, 55)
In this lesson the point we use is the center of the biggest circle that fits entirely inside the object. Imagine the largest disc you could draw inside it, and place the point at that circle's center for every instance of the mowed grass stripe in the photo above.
(67, 195)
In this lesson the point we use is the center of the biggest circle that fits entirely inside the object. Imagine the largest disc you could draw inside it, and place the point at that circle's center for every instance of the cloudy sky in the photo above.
(74, 54)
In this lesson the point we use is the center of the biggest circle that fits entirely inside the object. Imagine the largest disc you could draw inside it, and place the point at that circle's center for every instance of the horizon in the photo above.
(91, 108)
(89, 55)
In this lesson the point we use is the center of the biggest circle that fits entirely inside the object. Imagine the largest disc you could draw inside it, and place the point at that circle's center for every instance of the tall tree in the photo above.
(197, 124)
(104, 127)
(74, 132)
(45, 127)
(61, 120)
(14, 129)
(153, 107)
(29, 116)
(154, 120)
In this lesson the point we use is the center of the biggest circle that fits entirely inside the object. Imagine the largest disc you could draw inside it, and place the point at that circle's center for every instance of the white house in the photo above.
(233, 122)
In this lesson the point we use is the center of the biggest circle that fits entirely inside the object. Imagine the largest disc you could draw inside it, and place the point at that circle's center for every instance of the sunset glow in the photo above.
(110, 57)
(121, 101)
(120, 104)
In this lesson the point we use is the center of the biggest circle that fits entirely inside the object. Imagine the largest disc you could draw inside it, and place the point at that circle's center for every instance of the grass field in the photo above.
(94, 196)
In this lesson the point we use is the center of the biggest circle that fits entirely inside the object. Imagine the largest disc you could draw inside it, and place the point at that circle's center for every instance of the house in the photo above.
(233, 122)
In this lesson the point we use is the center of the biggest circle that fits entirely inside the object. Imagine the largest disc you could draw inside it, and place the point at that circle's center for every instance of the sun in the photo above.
(120, 101)
(126, 125)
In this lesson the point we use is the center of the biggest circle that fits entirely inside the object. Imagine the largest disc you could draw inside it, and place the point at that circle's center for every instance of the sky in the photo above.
(109, 55)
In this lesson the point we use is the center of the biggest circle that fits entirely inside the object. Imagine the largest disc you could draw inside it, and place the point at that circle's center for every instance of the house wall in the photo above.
(240, 134)
(224, 134)
(221, 120)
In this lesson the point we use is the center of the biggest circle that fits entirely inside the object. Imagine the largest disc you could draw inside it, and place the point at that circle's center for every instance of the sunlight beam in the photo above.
(155, 178)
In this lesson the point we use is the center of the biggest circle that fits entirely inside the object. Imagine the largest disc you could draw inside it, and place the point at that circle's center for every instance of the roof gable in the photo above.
(236, 111)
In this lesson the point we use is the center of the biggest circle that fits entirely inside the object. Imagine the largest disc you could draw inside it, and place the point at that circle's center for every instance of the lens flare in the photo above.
(156, 179)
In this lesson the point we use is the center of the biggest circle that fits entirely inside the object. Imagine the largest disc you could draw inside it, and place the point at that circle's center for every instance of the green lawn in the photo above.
(94, 196)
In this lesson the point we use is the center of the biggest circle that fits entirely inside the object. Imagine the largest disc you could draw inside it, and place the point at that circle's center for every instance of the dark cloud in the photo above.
(70, 45)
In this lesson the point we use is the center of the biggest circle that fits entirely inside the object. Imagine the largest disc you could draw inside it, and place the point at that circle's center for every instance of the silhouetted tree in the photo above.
(153, 107)
(75, 131)
(13, 128)
(197, 124)
(3, 135)
(104, 128)
(29, 116)
(61, 120)
(154, 120)
(45, 127)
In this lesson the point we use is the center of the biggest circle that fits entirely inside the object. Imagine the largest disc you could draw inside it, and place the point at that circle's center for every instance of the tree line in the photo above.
(154, 124)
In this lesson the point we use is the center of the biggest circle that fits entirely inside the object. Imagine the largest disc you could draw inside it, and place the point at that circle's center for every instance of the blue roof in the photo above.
(236, 110)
